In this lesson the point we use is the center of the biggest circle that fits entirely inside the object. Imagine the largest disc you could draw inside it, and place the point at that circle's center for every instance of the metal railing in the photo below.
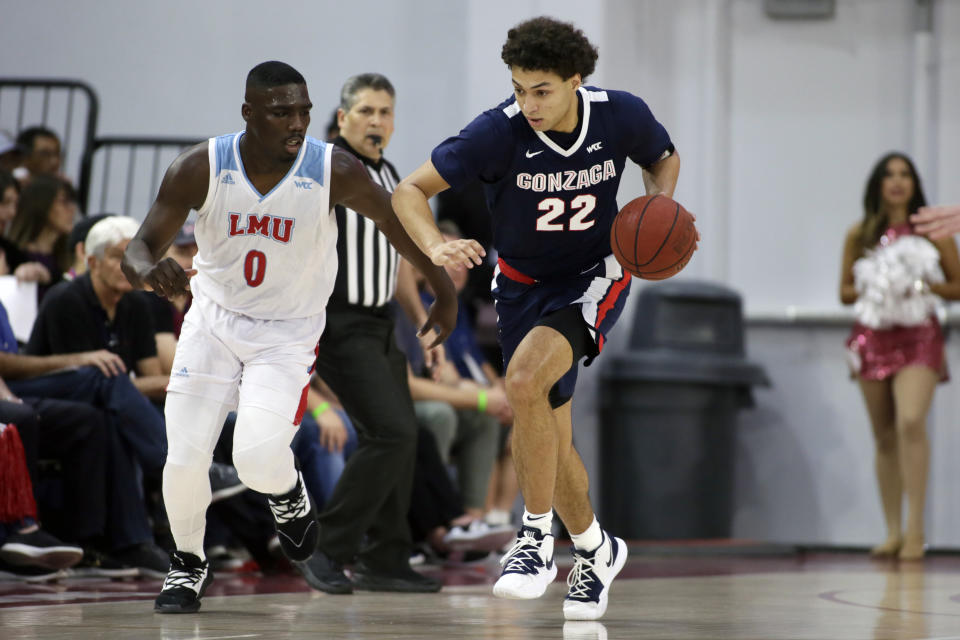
(136, 163)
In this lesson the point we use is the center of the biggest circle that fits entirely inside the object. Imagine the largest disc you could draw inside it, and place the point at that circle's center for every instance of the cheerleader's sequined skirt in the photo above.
(877, 354)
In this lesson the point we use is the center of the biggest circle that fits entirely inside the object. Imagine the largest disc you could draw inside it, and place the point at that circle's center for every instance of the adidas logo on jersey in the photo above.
(183, 373)
(228, 179)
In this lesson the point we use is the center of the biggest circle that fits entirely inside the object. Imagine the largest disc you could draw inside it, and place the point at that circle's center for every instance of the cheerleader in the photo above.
(897, 281)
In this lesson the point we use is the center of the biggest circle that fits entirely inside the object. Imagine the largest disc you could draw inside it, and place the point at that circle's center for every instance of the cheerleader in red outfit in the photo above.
(897, 279)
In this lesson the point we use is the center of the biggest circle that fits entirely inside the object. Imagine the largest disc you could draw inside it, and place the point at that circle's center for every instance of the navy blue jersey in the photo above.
(553, 207)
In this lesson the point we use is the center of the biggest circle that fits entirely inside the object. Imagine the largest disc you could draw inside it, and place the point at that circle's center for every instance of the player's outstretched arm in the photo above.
(351, 186)
(410, 200)
(937, 222)
(184, 187)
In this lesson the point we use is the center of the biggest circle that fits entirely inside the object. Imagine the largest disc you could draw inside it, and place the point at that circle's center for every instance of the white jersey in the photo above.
(271, 256)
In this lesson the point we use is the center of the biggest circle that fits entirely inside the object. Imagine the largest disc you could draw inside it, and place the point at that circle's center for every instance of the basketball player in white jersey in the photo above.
(260, 282)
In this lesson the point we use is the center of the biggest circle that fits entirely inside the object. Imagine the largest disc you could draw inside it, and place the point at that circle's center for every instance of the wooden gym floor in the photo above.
(714, 592)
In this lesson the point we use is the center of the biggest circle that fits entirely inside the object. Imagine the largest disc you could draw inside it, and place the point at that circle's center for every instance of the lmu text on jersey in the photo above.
(567, 180)
(266, 225)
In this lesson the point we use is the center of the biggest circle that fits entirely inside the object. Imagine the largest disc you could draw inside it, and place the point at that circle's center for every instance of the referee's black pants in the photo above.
(366, 517)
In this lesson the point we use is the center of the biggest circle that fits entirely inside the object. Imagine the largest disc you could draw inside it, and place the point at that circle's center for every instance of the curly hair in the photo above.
(546, 44)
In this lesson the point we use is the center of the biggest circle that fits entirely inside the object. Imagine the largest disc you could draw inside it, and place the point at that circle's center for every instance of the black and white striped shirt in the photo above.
(367, 273)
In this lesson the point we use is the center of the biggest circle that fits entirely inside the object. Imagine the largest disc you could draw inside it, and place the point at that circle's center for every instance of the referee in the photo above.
(365, 519)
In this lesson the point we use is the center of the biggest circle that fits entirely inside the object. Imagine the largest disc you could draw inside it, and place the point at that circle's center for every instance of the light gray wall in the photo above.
(777, 124)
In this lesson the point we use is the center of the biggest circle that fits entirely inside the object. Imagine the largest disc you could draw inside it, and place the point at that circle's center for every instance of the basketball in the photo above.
(653, 237)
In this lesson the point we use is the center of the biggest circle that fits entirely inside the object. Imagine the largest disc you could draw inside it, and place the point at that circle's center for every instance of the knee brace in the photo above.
(261, 450)
(193, 427)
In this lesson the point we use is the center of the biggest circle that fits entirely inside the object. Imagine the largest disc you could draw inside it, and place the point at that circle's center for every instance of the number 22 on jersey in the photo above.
(582, 206)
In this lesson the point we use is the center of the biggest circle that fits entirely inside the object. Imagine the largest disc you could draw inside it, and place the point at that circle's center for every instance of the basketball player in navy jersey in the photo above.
(550, 157)
(260, 281)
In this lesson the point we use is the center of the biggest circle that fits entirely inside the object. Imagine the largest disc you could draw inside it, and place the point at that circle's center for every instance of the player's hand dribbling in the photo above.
(167, 278)
(458, 253)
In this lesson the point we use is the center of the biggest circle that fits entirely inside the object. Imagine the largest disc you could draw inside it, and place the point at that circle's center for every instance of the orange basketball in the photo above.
(653, 237)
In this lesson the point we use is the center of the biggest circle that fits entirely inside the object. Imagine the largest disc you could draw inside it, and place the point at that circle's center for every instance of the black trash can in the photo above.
(668, 409)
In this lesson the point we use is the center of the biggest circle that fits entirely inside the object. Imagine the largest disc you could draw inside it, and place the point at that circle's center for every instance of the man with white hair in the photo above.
(94, 311)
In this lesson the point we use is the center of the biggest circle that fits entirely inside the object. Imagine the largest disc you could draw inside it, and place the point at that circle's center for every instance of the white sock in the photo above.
(542, 522)
(589, 539)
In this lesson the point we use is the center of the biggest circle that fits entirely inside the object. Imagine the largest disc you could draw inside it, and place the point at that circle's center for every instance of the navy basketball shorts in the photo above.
(522, 303)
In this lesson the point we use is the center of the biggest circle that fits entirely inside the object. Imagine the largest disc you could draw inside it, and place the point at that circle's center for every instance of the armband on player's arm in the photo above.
(669, 151)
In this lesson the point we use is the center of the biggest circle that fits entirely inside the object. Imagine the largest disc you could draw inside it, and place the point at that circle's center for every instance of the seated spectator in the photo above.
(97, 377)
(25, 549)
(101, 516)
(98, 310)
(41, 154)
(76, 244)
(45, 212)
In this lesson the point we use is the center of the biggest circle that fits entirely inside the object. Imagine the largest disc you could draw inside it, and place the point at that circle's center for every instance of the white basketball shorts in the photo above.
(242, 361)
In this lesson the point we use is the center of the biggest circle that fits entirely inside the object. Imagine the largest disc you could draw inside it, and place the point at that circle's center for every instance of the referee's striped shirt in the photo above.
(367, 273)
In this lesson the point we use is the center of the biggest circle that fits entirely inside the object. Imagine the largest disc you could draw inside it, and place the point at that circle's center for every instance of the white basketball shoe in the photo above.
(528, 567)
(590, 579)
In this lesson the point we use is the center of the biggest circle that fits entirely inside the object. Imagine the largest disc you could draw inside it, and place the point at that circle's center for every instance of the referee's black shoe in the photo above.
(324, 574)
(404, 580)
(297, 527)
